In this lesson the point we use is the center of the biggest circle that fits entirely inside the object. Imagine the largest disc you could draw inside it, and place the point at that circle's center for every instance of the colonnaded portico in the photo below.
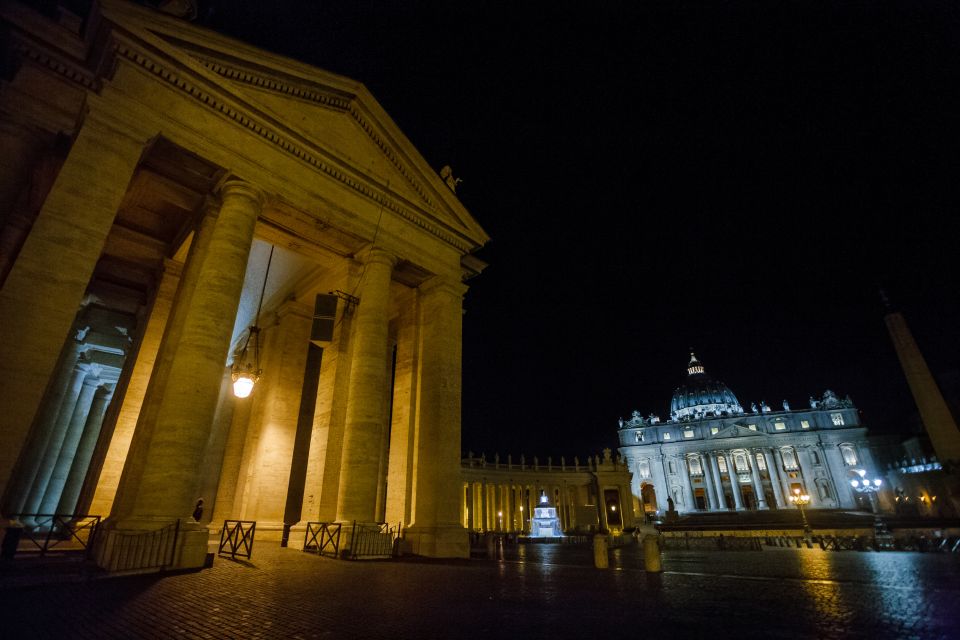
(166, 188)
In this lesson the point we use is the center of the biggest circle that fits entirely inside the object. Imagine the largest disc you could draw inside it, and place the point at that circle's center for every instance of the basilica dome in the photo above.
(701, 396)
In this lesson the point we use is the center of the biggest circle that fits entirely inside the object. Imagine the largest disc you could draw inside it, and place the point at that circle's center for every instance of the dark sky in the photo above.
(736, 177)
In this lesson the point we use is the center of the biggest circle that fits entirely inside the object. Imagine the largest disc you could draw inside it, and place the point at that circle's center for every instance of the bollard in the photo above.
(651, 554)
(600, 558)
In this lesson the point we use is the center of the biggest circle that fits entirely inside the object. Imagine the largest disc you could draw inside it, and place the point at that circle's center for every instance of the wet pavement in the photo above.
(530, 591)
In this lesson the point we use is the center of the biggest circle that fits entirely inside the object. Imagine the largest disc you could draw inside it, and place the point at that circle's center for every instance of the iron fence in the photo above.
(323, 538)
(63, 533)
(373, 541)
(237, 537)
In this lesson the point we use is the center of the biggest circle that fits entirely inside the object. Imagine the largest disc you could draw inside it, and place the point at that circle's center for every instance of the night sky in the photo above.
(735, 177)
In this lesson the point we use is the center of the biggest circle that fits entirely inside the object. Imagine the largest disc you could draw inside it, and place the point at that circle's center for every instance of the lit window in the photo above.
(849, 455)
(722, 463)
(639, 436)
(696, 468)
(688, 433)
(761, 463)
(837, 419)
(804, 424)
(752, 427)
(789, 459)
(644, 468)
(780, 426)
(714, 430)
(666, 435)
(740, 462)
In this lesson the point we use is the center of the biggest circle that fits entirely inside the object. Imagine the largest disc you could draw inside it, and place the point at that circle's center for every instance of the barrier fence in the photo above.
(237, 538)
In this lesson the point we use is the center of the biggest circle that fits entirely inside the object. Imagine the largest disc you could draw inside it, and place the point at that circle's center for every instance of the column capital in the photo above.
(438, 284)
(233, 186)
(376, 255)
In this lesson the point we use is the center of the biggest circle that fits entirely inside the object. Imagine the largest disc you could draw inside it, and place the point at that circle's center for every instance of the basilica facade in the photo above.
(180, 212)
(711, 454)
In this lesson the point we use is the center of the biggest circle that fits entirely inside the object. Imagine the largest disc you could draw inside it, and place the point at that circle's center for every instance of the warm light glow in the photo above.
(500, 513)
(242, 385)
(613, 507)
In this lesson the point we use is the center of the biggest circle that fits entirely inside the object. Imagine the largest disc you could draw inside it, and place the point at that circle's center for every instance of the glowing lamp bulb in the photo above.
(242, 386)
(877, 482)
(854, 483)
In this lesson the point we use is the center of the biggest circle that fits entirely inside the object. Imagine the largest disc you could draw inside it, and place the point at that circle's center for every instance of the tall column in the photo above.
(659, 481)
(366, 410)
(774, 471)
(687, 484)
(734, 482)
(81, 461)
(809, 479)
(61, 469)
(786, 481)
(934, 412)
(718, 480)
(54, 443)
(133, 398)
(170, 476)
(757, 482)
(435, 531)
(40, 297)
(707, 481)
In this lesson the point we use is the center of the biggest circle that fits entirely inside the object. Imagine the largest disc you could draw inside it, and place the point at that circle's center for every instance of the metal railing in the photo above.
(373, 541)
(237, 537)
(323, 538)
(141, 550)
(44, 533)
(365, 540)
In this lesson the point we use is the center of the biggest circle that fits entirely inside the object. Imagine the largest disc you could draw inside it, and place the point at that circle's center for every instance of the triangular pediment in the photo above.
(334, 118)
(736, 431)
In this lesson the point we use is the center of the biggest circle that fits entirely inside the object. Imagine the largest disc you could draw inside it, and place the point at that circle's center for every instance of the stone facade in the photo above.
(712, 455)
(148, 168)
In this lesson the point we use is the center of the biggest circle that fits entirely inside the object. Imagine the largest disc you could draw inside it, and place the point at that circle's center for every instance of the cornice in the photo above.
(285, 140)
(40, 55)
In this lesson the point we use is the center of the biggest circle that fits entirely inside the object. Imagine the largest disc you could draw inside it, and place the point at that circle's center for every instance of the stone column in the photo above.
(116, 454)
(773, 470)
(707, 481)
(435, 530)
(71, 439)
(844, 492)
(809, 479)
(81, 461)
(786, 481)
(757, 481)
(718, 481)
(170, 477)
(659, 481)
(734, 482)
(54, 443)
(36, 446)
(687, 484)
(40, 297)
(366, 410)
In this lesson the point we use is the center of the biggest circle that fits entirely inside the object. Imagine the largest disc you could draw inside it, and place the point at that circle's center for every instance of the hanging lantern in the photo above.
(246, 373)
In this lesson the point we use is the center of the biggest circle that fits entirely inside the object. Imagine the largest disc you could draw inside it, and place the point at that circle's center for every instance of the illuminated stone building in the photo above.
(502, 495)
(165, 188)
(712, 455)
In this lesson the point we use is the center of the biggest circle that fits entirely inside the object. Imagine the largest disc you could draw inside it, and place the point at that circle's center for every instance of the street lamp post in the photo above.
(801, 500)
(870, 487)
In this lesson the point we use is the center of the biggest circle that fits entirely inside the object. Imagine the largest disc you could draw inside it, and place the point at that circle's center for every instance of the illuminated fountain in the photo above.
(545, 523)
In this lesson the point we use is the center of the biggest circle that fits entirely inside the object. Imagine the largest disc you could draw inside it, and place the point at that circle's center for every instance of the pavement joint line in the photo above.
(806, 580)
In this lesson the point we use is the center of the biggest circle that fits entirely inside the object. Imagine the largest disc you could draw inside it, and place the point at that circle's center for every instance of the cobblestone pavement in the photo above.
(531, 591)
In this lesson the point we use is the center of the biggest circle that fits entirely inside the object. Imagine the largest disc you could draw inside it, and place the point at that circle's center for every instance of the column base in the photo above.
(150, 545)
(444, 541)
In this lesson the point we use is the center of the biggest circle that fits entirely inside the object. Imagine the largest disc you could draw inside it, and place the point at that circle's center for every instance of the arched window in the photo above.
(696, 469)
(722, 463)
(644, 468)
(849, 454)
(761, 463)
(740, 462)
(789, 459)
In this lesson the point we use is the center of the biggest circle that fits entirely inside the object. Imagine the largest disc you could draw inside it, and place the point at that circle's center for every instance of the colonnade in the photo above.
(508, 507)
